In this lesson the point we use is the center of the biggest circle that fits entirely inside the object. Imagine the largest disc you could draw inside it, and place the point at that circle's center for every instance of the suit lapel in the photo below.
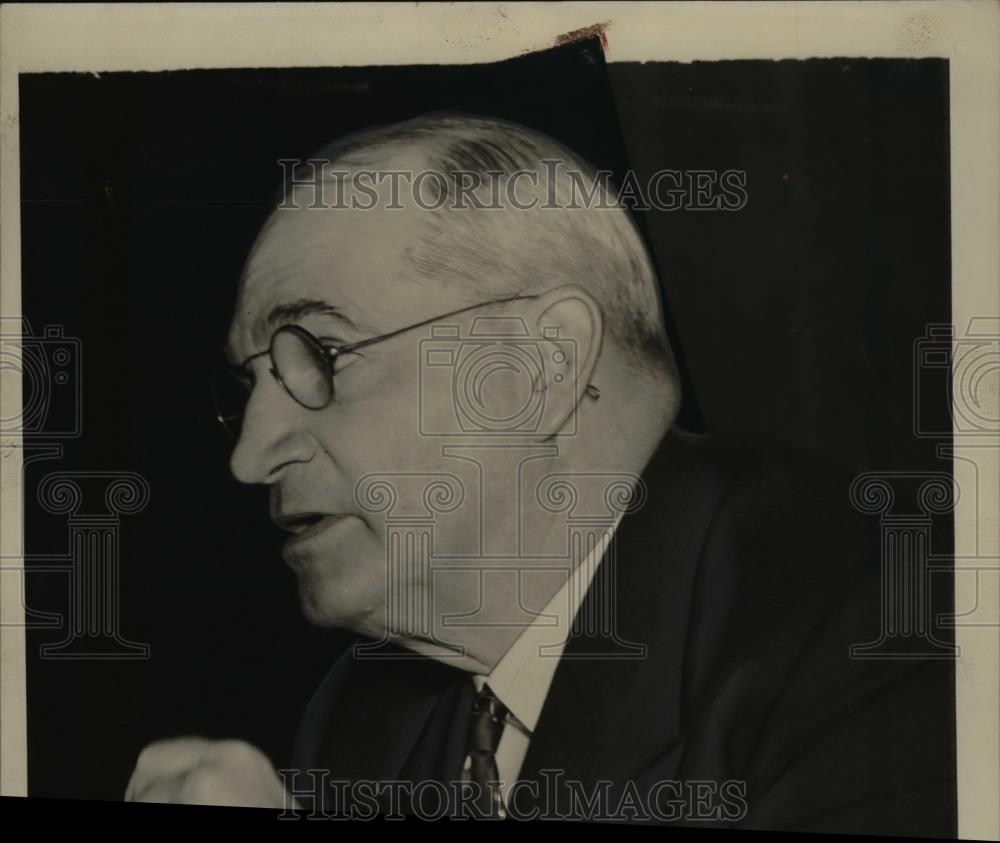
(381, 707)
(612, 716)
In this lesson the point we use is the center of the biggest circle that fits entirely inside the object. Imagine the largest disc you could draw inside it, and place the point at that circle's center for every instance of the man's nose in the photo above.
(272, 436)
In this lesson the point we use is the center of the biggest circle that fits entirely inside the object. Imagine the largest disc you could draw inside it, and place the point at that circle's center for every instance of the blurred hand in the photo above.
(195, 771)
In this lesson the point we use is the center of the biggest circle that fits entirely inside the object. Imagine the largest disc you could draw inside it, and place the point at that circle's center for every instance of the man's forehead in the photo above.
(308, 243)
(354, 260)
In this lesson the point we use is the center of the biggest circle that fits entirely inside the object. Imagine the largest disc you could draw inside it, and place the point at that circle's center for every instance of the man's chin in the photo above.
(328, 611)
(370, 622)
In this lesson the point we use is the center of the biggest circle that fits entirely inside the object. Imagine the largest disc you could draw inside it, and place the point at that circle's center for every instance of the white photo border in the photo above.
(118, 37)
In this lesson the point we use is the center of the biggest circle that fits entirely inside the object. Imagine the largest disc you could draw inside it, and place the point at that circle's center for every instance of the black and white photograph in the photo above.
(503, 412)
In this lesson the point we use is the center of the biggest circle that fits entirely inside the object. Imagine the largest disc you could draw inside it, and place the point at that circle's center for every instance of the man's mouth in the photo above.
(305, 525)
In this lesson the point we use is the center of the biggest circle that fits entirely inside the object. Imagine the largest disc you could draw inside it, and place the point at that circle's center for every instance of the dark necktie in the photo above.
(485, 727)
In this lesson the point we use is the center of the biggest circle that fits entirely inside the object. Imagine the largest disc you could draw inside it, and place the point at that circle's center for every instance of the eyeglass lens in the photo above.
(301, 365)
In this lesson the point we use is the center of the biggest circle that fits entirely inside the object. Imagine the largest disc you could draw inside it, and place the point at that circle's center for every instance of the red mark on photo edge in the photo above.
(598, 29)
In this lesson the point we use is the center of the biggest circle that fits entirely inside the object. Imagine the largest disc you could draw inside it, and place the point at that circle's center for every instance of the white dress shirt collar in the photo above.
(521, 679)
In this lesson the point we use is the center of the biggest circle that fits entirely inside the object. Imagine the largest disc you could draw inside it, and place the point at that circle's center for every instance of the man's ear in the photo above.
(569, 327)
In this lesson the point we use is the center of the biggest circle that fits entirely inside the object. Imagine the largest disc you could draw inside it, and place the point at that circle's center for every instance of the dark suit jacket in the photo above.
(746, 576)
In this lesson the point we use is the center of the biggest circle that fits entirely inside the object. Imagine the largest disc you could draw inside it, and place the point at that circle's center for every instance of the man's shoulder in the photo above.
(784, 553)
(788, 591)
(778, 513)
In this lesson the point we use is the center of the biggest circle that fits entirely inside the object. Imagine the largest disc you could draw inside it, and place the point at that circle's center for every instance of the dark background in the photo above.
(141, 193)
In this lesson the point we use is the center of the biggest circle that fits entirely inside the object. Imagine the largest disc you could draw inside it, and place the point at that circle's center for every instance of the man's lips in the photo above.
(306, 525)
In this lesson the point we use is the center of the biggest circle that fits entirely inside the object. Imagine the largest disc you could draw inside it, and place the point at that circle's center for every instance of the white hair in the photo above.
(495, 253)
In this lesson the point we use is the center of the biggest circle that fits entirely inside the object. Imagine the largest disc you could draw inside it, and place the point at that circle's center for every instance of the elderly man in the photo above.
(460, 393)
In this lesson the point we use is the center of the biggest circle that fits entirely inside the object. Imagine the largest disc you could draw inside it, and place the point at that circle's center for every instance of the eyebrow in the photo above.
(291, 312)
(282, 314)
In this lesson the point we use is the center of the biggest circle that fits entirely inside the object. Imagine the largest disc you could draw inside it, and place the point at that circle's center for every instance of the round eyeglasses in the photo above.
(303, 366)
(299, 362)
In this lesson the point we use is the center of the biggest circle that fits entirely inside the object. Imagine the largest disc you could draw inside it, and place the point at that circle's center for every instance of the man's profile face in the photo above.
(346, 275)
